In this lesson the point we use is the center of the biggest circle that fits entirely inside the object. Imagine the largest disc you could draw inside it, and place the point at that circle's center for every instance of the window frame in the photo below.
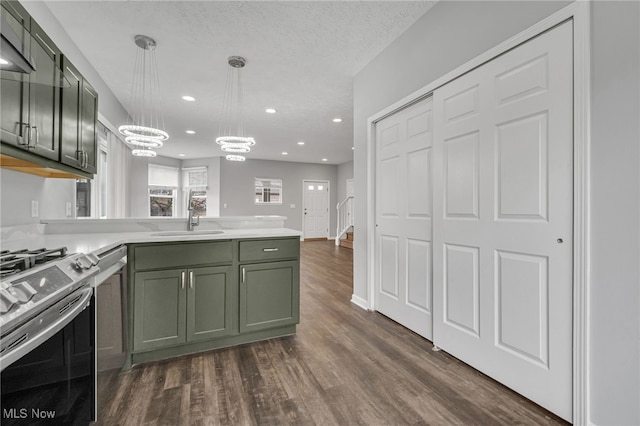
(258, 184)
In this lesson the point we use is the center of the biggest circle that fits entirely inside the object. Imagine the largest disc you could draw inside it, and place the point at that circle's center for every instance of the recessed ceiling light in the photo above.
(270, 111)
(353, 147)
(337, 120)
(324, 159)
(285, 153)
(188, 98)
(300, 143)
(180, 155)
(191, 132)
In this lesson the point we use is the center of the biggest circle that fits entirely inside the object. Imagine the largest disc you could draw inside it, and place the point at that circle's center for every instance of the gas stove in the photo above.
(33, 280)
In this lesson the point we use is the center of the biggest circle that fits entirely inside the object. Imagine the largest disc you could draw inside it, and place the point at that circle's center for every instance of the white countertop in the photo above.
(92, 242)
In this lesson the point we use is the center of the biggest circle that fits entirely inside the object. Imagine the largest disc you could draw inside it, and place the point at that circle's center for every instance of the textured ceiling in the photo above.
(301, 59)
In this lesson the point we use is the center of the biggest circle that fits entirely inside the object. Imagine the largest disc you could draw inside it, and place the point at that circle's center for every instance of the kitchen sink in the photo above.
(178, 233)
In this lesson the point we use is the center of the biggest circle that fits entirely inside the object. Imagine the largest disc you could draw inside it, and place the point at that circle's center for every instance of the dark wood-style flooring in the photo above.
(345, 366)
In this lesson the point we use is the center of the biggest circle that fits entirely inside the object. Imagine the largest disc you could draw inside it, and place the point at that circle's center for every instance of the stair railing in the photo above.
(345, 217)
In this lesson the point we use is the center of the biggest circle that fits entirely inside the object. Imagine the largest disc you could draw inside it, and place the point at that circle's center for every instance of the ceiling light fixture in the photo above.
(337, 120)
(270, 111)
(285, 153)
(231, 132)
(188, 98)
(300, 143)
(324, 159)
(144, 153)
(191, 132)
(235, 147)
(146, 124)
(232, 157)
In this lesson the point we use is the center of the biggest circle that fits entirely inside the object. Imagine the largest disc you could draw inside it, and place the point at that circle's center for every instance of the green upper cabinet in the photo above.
(14, 114)
(79, 113)
(30, 102)
(48, 117)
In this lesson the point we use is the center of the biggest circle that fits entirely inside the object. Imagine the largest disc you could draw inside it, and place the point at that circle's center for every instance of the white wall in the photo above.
(345, 171)
(237, 188)
(17, 190)
(615, 208)
(452, 33)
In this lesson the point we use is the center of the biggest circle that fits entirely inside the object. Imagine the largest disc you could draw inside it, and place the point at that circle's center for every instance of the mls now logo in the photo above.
(23, 413)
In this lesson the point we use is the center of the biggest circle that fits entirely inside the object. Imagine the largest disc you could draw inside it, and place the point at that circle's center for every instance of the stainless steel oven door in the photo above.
(39, 329)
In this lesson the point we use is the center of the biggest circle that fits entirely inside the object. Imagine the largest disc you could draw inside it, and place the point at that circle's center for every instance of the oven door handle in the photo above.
(38, 330)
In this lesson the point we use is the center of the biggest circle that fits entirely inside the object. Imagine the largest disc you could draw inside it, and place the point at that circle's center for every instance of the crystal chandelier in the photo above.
(144, 129)
(232, 137)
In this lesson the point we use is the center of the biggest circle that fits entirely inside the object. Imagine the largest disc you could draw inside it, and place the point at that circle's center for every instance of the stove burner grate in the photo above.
(12, 262)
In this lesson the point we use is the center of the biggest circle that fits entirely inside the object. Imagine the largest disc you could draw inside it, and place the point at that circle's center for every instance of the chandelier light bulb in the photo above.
(232, 157)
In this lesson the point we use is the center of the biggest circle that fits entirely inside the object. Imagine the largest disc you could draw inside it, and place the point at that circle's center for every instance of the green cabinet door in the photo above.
(14, 102)
(79, 113)
(30, 102)
(88, 131)
(212, 300)
(269, 295)
(70, 153)
(44, 92)
(159, 309)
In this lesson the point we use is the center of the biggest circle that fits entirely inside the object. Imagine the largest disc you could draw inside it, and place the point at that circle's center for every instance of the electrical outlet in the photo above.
(224, 205)
(292, 206)
(34, 208)
(68, 209)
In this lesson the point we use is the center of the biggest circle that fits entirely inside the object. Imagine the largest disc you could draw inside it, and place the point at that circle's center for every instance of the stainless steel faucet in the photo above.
(191, 220)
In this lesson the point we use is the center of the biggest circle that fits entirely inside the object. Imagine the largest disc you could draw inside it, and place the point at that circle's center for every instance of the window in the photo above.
(163, 186)
(268, 191)
(102, 182)
(195, 179)
(91, 195)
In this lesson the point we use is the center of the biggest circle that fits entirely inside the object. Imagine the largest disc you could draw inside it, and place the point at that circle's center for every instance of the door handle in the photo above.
(270, 249)
(182, 280)
(243, 274)
(37, 135)
(190, 279)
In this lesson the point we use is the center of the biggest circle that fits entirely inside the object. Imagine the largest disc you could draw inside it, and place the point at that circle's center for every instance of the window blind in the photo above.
(195, 178)
(163, 176)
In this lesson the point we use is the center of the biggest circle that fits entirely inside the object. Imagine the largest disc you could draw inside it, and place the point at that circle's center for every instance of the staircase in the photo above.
(345, 221)
(348, 242)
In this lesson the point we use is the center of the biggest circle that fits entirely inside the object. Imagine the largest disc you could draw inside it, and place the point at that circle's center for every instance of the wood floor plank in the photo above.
(344, 366)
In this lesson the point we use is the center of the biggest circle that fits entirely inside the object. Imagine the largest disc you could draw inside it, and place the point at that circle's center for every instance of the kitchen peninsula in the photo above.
(230, 281)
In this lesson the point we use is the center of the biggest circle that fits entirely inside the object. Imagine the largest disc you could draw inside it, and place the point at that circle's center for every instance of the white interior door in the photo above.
(316, 209)
(403, 217)
(503, 194)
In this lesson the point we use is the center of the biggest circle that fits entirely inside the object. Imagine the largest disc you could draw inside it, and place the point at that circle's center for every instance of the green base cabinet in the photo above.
(187, 297)
(269, 295)
(160, 309)
(212, 298)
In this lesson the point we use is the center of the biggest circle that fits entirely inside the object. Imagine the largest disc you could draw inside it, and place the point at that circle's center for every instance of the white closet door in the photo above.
(403, 217)
(503, 194)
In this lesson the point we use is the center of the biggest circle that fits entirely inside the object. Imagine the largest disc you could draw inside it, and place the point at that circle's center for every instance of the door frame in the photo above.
(304, 182)
(580, 13)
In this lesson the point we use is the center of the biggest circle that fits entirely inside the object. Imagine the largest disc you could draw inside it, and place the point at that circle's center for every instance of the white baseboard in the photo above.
(360, 302)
